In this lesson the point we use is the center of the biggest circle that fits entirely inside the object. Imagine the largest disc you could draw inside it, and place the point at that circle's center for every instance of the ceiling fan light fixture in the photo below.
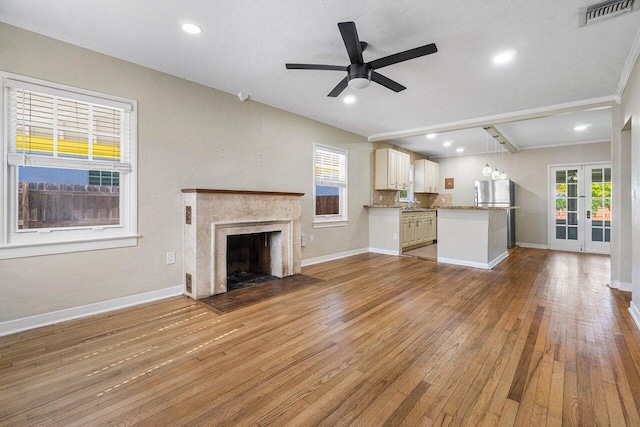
(360, 73)
(359, 82)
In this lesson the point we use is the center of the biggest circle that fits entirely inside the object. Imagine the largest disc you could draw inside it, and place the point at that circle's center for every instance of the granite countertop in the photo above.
(404, 208)
(479, 208)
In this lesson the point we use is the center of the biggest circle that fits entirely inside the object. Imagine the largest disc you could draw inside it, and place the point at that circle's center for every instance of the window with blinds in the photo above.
(70, 162)
(330, 189)
(50, 130)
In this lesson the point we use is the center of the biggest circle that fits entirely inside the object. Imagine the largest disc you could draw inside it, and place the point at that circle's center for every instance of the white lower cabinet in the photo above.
(418, 228)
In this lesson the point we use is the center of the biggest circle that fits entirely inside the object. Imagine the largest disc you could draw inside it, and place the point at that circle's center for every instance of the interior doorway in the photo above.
(580, 208)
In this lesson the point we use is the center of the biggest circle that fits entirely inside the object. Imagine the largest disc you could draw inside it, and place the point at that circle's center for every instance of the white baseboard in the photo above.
(532, 245)
(621, 286)
(32, 322)
(635, 314)
(331, 257)
(483, 265)
(384, 251)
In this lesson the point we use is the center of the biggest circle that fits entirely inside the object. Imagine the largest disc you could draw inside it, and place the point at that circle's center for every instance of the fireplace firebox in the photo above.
(248, 260)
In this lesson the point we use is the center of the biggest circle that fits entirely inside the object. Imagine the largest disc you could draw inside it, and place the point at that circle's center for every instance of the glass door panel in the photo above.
(580, 214)
(599, 209)
(565, 215)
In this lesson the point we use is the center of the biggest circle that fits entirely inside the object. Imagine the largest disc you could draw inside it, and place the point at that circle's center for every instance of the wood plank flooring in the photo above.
(376, 341)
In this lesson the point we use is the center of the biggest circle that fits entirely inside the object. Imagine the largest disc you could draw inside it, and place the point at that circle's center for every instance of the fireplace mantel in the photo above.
(211, 215)
(212, 191)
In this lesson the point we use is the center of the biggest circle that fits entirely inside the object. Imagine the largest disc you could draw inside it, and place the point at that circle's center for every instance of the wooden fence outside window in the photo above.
(47, 205)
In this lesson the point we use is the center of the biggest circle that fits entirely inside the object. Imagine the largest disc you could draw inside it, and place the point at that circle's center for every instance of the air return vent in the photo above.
(604, 10)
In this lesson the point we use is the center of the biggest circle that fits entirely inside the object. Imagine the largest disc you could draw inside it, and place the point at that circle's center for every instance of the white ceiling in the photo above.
(245, 45)
(548, 131)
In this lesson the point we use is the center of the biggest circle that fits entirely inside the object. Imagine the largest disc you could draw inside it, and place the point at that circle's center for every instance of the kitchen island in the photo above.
(394, 229)
(472, 236)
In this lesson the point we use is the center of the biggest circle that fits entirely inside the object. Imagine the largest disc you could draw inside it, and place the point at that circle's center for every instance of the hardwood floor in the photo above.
(379, 340)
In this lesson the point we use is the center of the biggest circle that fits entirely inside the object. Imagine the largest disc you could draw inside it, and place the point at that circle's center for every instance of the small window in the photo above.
(70, 169)
(330, 185)
(407, 195)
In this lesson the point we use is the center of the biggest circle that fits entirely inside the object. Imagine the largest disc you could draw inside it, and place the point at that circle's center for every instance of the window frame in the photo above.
(18, 243)
(335, 220)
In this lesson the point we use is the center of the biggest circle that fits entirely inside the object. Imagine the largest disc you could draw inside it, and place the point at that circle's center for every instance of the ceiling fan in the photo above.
(360, 73)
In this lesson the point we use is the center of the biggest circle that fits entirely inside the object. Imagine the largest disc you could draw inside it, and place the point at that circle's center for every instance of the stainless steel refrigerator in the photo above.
(499, 192)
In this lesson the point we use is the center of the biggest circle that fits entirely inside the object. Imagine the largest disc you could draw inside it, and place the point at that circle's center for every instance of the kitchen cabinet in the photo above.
(406, 232)
(432, 229)
(418, 228)
(392, 169)
(426, 176)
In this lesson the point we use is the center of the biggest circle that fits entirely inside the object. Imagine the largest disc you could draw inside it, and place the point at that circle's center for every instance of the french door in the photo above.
(580, 208)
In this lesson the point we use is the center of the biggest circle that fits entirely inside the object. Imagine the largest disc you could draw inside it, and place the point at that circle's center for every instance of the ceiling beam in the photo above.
(500, 138)
(534, 113)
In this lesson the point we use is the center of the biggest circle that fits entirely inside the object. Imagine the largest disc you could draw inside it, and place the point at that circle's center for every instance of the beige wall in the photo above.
(628, 140)
(528, 170)
(189, 136)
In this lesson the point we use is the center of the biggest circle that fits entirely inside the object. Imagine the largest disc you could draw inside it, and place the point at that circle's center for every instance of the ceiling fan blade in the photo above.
(386, 82)
(315, 67)
(339, 87)
(351, 41)
(404, 56)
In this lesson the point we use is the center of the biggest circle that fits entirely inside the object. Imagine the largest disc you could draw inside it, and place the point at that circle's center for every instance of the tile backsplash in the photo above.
(427, 200)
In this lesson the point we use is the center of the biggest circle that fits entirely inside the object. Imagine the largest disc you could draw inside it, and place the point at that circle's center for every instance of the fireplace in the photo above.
(226, 231)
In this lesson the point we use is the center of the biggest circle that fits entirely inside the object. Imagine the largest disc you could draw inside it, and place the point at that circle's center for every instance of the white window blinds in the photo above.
(48, 129)
(330, 167)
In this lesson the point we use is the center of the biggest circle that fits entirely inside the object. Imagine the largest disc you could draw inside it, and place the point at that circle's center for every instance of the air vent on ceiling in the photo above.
(604, 10)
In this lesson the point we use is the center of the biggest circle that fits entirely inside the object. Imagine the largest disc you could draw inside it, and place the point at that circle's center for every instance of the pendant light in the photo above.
(503, 175)
(495, 174)
(486, 170)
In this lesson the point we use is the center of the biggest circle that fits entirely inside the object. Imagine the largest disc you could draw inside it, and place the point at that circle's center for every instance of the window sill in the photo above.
(330, 223)
(23, 251)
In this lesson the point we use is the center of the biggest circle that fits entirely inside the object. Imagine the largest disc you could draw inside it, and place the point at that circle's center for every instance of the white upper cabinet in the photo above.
(392, 170)
(426, 176)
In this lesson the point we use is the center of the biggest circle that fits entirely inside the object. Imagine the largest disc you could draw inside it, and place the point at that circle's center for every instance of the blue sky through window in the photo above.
(53, 175)
(327, 191)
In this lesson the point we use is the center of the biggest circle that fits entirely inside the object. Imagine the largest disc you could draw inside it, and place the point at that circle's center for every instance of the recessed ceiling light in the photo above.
(431, 135)
(504, 57)
(349, 99)
(446, 144)
(191, 28)
(459, 150)
(581, 127)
